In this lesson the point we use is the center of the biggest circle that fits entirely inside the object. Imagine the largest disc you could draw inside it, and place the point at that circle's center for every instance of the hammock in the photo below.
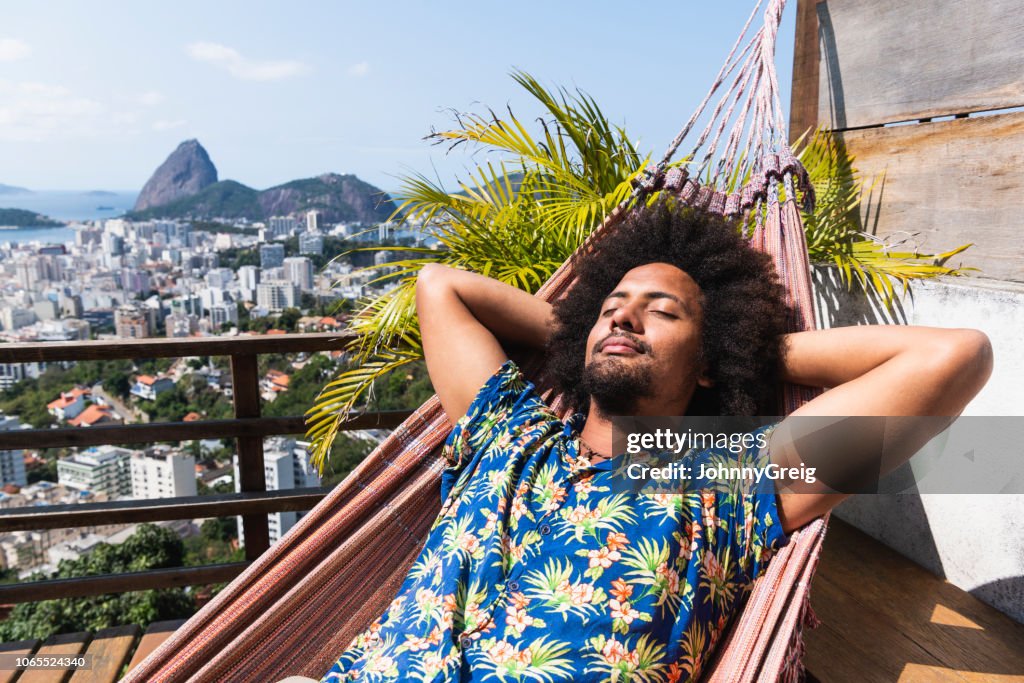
(299, 605)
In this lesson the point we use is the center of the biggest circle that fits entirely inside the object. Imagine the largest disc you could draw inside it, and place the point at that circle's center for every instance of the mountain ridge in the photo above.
(184, 176)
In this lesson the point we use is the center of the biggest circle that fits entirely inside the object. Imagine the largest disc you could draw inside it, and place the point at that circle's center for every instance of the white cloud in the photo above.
(163, 124)
(359, 70)
(151, 98)
(12, 49)
(41, 111)
(241, 67)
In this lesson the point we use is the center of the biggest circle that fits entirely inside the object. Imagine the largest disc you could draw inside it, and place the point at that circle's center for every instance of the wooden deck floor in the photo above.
(887, 619)
(110, 649)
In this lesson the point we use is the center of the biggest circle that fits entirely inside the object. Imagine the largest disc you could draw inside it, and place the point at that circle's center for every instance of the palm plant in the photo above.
(517, 219)
(835, 235)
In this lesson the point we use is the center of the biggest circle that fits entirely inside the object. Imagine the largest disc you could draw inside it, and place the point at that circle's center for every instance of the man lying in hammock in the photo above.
(536, 566)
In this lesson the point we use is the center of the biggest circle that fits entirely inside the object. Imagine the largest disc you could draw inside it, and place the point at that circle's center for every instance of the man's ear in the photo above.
(703, 379)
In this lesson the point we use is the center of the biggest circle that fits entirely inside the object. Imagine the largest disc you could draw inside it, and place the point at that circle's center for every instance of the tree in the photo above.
(288, 319)
(150, 547)
(219, 529)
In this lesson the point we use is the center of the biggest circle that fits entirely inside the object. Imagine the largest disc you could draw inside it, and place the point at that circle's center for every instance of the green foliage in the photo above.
(406, 389)
(517, 219)
(302, 388)
(346, 454)
(48, 470)
(28, 398)
(191, 394)
(27, 219)
(287, 320)
(219, 529)
(215, 227)
(151, 547)
(836, 236)
(226, 198)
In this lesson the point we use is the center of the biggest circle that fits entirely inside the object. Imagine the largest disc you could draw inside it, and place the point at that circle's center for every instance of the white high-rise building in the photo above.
(299, 269)
(162, 471)
(219, 278)
(313, 221)
(248, 278)
(277, 295)
(12, 462)
(271, 255)
(311, 243)
(281, 226)
(285, 466)
(223, 313)
(102, 469)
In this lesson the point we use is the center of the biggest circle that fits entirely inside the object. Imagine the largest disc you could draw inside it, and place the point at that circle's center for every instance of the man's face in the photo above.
(642, 353)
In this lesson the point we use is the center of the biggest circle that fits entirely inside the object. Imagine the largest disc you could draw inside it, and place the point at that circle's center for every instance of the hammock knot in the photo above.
(651, 180)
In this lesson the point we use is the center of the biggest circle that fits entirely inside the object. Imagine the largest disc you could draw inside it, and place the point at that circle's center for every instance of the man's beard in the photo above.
(616, 386)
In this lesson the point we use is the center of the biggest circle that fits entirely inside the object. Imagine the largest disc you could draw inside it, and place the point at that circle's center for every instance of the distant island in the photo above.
(11, 189)
(19, 218)
(186, 186)
(99, 193)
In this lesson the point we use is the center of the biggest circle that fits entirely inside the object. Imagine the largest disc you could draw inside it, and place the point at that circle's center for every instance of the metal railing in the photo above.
(248, 428)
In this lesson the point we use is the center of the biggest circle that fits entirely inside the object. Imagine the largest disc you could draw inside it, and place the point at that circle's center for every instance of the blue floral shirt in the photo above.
(537, 569)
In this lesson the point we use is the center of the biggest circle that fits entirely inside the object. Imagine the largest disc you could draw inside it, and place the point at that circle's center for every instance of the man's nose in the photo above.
(625, 318)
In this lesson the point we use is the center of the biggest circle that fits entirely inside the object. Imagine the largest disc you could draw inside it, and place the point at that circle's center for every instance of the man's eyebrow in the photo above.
(651, 295)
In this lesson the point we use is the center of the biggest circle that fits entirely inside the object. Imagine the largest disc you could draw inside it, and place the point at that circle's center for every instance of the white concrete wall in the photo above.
(974, 541)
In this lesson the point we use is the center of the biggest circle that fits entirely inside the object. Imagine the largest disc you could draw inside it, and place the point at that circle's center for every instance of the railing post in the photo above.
(245, 383)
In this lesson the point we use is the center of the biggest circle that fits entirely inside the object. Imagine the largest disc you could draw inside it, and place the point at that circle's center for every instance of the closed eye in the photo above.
(666, 314)
(605, 314)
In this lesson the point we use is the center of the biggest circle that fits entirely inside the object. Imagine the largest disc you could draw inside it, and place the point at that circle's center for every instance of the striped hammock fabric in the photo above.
(300, 604)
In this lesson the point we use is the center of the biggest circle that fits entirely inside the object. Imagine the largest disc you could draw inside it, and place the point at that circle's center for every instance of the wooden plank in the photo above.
(65, 644)
(953, 182)
(255, 527)
(174, 577)
(958, 57)
(803, 103)
(172, 348)
(159, 509)
(16, 648)
(900, 621)
(109, 651)
(878, 655)
(184, 431)
(156, 634)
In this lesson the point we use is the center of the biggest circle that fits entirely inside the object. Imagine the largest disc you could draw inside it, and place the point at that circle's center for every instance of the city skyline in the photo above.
(95, 97)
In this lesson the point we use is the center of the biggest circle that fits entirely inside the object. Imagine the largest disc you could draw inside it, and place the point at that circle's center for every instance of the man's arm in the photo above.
(876, 370)
(464, 319)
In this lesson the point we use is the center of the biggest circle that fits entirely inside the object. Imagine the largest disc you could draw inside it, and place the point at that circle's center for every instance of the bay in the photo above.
(70, 205)
(64, 205)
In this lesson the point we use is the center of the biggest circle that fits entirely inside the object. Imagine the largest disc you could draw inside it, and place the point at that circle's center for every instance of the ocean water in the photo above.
(63, 205)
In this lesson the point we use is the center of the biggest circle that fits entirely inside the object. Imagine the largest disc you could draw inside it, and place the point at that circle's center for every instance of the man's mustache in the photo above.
(641, 345)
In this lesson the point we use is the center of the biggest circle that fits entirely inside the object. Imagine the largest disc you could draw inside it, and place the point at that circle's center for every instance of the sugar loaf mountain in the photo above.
(185, 186)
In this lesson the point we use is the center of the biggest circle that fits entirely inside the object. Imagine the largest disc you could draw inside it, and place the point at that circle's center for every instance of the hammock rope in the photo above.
(299, 605)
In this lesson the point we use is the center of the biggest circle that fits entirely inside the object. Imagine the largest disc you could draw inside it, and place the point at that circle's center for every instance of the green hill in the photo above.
(26, 219)
(338, 198)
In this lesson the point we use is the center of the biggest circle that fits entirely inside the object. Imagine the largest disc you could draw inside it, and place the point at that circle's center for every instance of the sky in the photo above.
(94, 96)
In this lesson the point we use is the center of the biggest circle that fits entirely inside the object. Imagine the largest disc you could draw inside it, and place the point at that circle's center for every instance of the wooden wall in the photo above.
(861, 66)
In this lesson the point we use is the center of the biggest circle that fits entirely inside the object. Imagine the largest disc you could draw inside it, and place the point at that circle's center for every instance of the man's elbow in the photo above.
(431, 279)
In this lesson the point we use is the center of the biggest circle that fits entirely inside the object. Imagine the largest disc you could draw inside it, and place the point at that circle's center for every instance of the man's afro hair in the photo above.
(744, 312)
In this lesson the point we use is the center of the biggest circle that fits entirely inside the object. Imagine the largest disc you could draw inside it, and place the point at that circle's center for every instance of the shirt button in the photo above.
(466, 640)
(513, 585)
(545, 529)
